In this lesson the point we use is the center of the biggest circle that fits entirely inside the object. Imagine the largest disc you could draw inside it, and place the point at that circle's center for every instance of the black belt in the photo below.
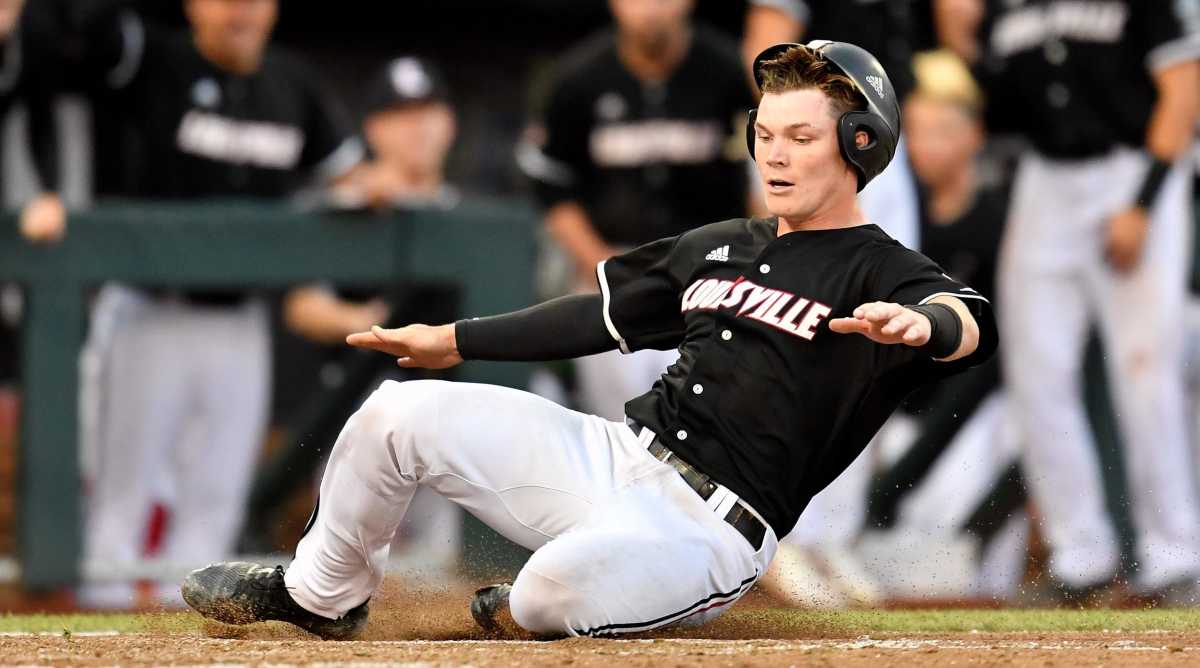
(739, 517)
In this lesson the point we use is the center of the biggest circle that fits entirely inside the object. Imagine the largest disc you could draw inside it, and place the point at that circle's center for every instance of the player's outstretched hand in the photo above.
(885, 323)
(415, 346)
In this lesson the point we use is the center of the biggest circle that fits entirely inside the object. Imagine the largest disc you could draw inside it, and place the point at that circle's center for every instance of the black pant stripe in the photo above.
(645, 626)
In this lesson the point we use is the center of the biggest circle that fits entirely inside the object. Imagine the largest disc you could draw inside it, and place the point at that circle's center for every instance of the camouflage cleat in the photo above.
(240, 592)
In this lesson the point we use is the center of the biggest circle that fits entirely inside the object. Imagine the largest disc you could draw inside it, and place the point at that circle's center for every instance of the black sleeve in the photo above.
(563, 328)
(641, 291)
(903, 276)
(1166, 31)
(331, 145)
(555, 156)
(42, 81)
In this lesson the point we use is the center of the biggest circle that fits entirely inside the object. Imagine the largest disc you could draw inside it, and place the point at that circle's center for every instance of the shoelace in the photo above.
(268, 581)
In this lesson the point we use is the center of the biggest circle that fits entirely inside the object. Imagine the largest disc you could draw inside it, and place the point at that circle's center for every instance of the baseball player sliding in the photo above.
(797, 335)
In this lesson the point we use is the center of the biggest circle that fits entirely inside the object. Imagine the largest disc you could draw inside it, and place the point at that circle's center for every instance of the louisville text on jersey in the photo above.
(258, 143)
(1082, 20)
(780, 309)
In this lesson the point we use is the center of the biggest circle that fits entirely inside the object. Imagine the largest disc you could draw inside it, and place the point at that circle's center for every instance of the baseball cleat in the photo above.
(239, 592)
(489, 603)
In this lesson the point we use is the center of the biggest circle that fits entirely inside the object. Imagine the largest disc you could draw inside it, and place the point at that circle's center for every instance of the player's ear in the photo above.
(862, 139)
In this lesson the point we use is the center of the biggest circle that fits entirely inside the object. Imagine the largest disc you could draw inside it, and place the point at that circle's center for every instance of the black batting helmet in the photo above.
(880, 120)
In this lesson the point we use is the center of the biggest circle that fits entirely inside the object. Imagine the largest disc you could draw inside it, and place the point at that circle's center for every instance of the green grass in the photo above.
(92, 622)
(787, 622)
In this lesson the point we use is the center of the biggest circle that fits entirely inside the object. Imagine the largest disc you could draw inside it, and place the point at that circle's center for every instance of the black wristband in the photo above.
(945, 329)
(1155, 176)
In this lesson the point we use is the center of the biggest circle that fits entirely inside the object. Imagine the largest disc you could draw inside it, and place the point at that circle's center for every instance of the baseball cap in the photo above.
(405, 80)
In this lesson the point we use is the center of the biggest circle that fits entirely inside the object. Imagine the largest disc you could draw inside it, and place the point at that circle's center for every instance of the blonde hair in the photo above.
(943, 77)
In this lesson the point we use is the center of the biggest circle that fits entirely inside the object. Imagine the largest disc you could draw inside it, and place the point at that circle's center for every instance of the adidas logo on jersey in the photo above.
(718, 254)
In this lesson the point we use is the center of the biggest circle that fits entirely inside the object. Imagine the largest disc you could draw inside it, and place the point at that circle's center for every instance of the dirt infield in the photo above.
(988, 649)
(434, 629)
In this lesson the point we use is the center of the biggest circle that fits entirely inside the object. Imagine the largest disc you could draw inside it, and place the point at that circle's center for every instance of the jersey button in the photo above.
(1058, 95)
(697, 389)
(681, 435)
(726, 335)
(764, 268)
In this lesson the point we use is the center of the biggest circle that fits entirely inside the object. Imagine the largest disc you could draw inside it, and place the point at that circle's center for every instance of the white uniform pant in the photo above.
(174, 406)
(1054, 283)
(621, 543)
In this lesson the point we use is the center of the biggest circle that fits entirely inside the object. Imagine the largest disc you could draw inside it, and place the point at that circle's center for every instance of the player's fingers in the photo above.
(897, 324)
(914, 336)
(406, 362)
(880, 312)
(849, 326)
(362, 339)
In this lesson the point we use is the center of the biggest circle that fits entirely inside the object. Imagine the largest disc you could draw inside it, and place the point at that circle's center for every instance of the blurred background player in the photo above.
(929, 497)
(1099, 231)
(643, 137)
(410, 129)
(179, 379)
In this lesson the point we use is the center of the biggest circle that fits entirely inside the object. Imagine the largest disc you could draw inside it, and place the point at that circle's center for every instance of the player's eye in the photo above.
(764, 137)
(801, 140)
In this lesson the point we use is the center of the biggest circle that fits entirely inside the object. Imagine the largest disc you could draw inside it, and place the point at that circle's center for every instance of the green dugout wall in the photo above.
(488, 248)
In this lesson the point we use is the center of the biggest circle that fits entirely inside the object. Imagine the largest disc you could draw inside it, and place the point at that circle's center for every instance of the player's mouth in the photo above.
(778, 185)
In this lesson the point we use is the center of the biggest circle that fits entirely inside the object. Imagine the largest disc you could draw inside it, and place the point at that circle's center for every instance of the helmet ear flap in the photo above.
(750, 119)
(869, 159)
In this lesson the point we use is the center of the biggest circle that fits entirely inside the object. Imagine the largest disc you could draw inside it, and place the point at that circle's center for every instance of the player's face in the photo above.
(10, 13)
(943, 139)
(796, 152)
(236, 31)
(415, 136)
(651, 23)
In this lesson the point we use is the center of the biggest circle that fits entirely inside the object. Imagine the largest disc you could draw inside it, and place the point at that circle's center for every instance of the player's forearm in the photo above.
(1173, 121)
(969, 342)
(562, 328)
(319, 315)
(570, 225)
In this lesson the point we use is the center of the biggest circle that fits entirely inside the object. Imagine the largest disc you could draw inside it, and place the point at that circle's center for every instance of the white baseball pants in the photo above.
(175, 401)
(622, 544)
(1054, 283)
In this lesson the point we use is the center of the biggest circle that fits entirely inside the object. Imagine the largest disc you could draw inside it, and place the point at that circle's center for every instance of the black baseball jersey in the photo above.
(890, 29)
(765, 398)
(1075, 76)
(645, 160)
(180, 127)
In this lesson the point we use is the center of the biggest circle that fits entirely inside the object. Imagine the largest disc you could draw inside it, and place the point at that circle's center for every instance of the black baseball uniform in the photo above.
(645, 160)
(764, 399)
(1075, 77)
(174, 125)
